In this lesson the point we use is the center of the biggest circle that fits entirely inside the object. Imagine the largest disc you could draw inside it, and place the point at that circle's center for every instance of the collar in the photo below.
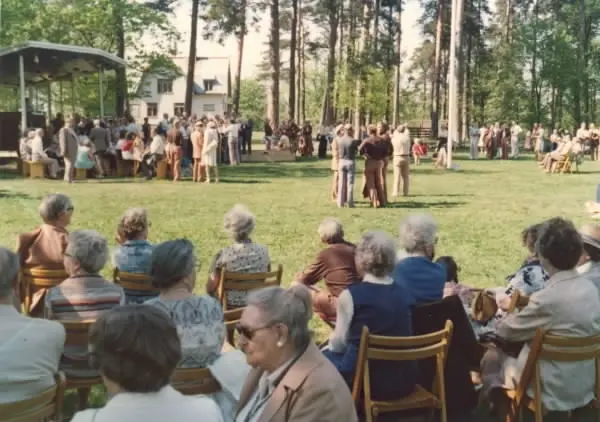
(563, 276)
(589, 267)
(370, 278)
(138, 242)
(129, 399)
(275, 377)
(52, 227)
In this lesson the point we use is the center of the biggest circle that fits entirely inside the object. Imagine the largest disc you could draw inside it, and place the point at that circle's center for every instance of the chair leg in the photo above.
(83, 395)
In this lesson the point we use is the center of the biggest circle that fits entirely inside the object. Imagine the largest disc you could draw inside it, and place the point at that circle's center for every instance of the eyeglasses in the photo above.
(250, 332)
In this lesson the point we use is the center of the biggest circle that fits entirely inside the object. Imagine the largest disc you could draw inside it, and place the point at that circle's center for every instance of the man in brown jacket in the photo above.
(68, 142)
(335, 265)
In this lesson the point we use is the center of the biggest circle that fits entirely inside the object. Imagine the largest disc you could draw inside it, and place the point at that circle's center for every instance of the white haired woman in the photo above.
(423, 278)
(335, 265)
(45, 246)
(243, 256)
(39, 155)
(291, 381)
(381, 305)
(209, 151)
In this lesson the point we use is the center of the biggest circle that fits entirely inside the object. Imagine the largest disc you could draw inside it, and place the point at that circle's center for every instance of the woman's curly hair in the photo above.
(133, 222)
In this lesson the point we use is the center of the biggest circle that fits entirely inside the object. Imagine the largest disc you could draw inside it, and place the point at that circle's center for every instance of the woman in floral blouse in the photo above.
(243, 256)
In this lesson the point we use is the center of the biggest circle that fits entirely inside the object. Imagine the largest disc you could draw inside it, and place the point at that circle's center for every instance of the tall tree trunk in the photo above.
(376, 13)
(466, 88)
(362, 53)
(275, 63)
(121, 76)
(238, 70)
(299, 53)
(333, 20)
(534, 62)
(437, 66)
(398, 75)
(340, 59)
(302, 111)
(191, 70)
(292, 75)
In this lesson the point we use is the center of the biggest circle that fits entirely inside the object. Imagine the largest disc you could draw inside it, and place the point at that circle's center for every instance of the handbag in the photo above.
(484, 306)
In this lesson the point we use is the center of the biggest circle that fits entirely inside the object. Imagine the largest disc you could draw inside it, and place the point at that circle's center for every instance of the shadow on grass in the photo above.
(444, 195)
(441, 172)
(9, 194)
(419, 204)
(9, 174)
(274, 171)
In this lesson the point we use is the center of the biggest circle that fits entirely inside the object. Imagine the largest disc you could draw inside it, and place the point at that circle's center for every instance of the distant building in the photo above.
(159, 93)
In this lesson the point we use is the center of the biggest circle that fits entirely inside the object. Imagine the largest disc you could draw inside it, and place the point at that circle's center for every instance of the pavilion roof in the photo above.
(44, 61)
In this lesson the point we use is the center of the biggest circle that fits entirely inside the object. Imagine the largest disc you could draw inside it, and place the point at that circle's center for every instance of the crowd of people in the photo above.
(139, 338)
(187, 145)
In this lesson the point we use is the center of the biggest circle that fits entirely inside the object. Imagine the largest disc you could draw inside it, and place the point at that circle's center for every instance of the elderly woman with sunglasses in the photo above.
(198, 318)
(291, 381)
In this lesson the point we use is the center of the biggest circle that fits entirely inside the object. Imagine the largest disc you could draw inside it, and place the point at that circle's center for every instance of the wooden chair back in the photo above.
(47, 405)
(77, 332)
(192, 381)
(34, 279)
(372, 347)
(246, 282)
(547, 347)
(517, 301)
(134, 281)
(232, 318)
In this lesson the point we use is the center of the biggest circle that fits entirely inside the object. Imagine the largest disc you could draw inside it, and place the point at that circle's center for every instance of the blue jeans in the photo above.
(346, 183)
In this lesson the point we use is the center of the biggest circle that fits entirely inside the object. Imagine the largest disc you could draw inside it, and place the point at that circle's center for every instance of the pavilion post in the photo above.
(49, 100)
(61, 97)
(101, 92)
(73, 94)
(23, 94)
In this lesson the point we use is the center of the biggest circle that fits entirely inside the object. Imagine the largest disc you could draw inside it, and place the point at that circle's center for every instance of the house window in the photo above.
(178, 109)
(151, 109)
(209, 84)
(165, 86)
(209, 107)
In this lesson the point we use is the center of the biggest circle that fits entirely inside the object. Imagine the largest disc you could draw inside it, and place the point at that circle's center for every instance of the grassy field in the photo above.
(481, 209)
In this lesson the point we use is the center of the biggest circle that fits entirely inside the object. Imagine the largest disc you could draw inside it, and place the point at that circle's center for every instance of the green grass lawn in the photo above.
(481, 209)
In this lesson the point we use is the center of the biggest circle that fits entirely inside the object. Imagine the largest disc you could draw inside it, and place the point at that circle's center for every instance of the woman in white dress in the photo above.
(209, 152)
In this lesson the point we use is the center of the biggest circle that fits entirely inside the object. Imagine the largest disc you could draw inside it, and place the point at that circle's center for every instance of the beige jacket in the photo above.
(568, 306)
(312, 390)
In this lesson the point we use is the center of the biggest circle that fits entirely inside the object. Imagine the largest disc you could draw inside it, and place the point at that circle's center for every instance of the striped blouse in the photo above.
(79, 298)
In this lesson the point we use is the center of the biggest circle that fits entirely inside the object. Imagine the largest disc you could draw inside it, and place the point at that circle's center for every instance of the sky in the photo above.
(255, 42)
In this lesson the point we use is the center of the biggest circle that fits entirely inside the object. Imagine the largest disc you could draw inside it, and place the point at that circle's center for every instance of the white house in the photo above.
(159, 94)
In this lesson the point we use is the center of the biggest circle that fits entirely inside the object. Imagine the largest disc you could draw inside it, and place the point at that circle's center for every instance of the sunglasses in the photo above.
(249, 333)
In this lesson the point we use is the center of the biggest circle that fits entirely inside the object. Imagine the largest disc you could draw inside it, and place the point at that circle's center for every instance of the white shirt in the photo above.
(233, 130)
(158, 145)
(37, 148)
(132, 127)
(345, 313)
(30, 350)
(163, 406)
(401, 143)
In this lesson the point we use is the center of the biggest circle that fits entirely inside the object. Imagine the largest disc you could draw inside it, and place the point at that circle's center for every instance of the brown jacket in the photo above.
(42, 247)
(312, 390)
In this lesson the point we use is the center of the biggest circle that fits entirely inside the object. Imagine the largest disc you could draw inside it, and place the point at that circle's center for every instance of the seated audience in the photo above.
(199, 319)
(381, 305)
(589, 264)
(416, 270)
(39, 155)
(569, 306)
(134, 251)
(85, 155)
(300, 384)
(567, 146)
(25, 146)
(85, 295)
(136, 349)
(335, 265)
(244, 256)
(44, 247)
(30, 348)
